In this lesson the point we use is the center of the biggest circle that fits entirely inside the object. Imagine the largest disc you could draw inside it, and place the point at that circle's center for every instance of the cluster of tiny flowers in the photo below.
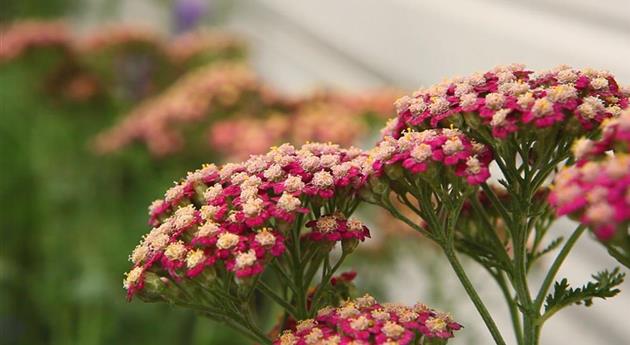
(509, 98)
(237, 214)
(19, 37)
(261, 133)
(185, 47)
(417, 152)
(326, 122)
(364, 321)
(323, 116)
(162, 122)
(336, 228)
(597, 193)
(596, 190)
(187, 101)
(615, 137)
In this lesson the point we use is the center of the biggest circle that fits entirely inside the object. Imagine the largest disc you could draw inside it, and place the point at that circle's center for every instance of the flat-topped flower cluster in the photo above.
(156, 121)
(19, 37)
(596, 190)
(419, 152)
(228, 98)
(510, 98)
(364, 321)
(236, 217)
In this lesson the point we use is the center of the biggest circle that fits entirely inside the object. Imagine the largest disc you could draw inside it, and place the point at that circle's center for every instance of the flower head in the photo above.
(418, 152)
(365, 321)
(19, 37)
(596, 189)
(234, 214)
(336, 228)
(510, 98)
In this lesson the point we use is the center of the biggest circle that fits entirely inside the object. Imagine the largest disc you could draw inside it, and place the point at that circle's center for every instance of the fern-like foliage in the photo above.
(603, 286)
(550, 247)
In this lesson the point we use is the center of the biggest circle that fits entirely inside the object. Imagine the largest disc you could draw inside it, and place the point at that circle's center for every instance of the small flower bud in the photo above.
(154, 289)
(378, 186)
(394, 172)
(349, 245)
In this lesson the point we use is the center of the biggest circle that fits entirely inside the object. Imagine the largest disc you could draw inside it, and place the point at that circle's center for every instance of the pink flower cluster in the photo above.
(510, 98)
(156, 120)
(326, 121)
(335, 228)
(615, 137)
(596, 190)
(364, 321)
(597, 194)
(323, 117)
(166, 123)
(417, 152)
(262, 133)
(238, 214)
(19, 37)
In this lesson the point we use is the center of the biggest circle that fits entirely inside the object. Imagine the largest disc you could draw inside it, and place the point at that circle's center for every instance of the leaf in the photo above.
(482, 251)
(564, 295)
(551, 246)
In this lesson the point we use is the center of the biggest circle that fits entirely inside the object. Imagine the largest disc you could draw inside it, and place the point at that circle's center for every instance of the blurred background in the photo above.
(104, 103)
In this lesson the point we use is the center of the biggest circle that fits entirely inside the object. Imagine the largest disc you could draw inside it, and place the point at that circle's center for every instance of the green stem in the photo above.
(248, 318)
(514, 315)
(619, 255)
(472, 293)
(325, 282)
(267, 291)
(489, 228)
(519, 278)
(298, 272)
(496, 203)
(389, 207)
(553, 270)
(244, 328)
(277, 267)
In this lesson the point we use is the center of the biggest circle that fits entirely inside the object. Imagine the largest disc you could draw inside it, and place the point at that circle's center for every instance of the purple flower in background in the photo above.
(188, 13)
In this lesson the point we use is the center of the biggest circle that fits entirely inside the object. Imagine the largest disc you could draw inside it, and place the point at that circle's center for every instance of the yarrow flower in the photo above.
(336, 228)
(510, 98)
(19, 37)
(188, 100)
(596, 190)
(365, 321)
(597, 193)
(419, 152)
(615, 137)
(238, 214)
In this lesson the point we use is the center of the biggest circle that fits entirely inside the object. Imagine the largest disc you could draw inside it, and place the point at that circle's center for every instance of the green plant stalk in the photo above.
(325, 283)
(472, 293)
(555, 266)
(268, 291)
(298, 272)
(514, 315)
(520, 281)
(445, 239)
(618, 255)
